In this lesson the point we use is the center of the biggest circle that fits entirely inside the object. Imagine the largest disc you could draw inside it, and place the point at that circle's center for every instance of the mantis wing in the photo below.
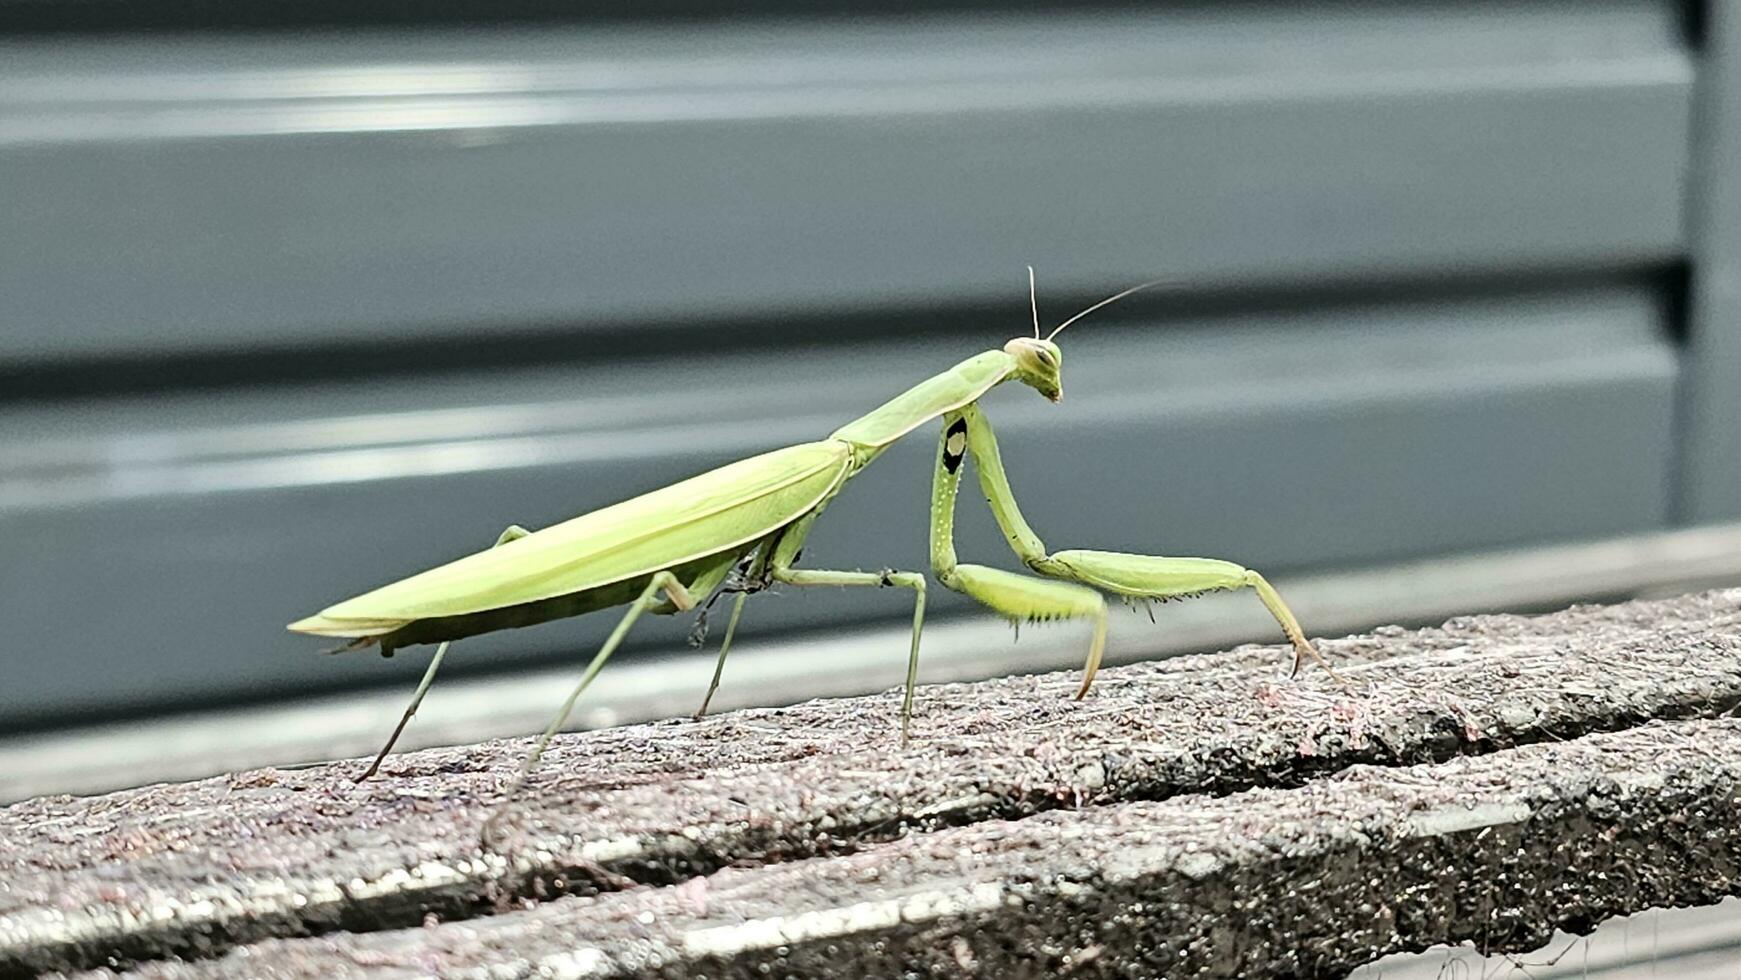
(704, 515)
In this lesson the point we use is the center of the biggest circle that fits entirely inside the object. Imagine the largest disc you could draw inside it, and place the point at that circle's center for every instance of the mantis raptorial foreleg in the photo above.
(1017, 596)
(514, 532)
(1138, 576)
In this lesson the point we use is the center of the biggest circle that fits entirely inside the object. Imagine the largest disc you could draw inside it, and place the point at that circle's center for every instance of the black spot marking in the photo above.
(954, 445)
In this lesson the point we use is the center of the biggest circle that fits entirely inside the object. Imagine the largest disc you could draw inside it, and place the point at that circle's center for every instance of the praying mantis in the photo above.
(657, 553)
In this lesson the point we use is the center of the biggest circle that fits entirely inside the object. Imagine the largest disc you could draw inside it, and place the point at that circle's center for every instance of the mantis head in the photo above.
(1038, 359)
(1038, 363)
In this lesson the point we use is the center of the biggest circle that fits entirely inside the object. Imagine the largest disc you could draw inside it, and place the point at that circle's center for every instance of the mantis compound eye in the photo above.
(1037, 363)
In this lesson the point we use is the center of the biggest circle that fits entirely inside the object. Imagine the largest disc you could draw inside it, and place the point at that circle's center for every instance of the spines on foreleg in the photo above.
(1023, 598)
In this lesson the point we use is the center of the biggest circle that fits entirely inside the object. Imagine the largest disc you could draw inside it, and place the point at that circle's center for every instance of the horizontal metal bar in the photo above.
(232, 194)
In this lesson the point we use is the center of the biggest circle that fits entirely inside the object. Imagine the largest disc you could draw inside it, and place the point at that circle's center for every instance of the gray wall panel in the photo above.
(162, 545)
(1467, 208)
(1710, 461)
(232, 194)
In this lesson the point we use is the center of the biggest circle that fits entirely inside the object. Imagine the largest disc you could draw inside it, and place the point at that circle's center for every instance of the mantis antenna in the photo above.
(1034, 301)
(1105, 302)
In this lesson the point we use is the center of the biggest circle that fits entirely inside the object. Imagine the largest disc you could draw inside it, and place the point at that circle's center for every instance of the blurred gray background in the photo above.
(294, 302)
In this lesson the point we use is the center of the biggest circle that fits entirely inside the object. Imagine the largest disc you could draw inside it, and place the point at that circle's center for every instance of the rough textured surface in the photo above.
(193, 869)
(1312, 881)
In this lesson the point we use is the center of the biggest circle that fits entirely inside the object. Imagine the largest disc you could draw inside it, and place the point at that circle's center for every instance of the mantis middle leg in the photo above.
(676, 594)
(754, 572)
(1137, 576)
(776, 565)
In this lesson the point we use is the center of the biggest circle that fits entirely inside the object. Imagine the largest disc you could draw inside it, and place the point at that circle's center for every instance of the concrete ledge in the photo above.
(196, 869)
(1497, 849)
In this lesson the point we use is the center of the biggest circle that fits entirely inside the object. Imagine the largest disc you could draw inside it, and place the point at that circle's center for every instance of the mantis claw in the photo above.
(1303, 648)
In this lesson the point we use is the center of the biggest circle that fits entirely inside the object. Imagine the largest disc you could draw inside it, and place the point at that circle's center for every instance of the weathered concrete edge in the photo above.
(1420, 721)
(1312, 881)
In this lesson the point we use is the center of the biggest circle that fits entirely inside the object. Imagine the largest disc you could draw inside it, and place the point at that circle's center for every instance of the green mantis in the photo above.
(660, 552)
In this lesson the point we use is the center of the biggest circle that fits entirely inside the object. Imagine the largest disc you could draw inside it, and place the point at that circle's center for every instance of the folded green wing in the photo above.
(717, 510)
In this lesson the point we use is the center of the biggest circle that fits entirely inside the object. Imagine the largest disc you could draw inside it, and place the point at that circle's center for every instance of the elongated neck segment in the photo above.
(961, 384)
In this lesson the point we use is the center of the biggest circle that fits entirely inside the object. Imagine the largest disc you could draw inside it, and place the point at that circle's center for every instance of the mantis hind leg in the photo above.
(702, 577)
(677, 595)
(661, 581)
(514, 532)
